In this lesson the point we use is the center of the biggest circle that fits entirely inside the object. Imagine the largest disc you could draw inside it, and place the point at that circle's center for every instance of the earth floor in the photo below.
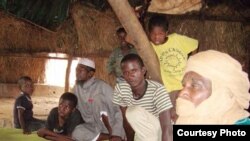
(41, 109)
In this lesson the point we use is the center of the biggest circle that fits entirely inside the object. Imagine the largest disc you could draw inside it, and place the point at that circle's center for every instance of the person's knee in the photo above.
(76, 134)
(84, 132)
(131, 109)
(132, 112)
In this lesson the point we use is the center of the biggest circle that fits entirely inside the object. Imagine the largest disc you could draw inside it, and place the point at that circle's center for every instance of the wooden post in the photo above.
(130, 22)
(67, 85)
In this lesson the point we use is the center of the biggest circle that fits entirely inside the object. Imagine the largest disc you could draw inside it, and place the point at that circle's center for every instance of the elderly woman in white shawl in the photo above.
(215, 91)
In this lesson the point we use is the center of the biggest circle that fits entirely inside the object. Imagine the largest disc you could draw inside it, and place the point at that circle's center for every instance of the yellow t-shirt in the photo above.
(172, 56)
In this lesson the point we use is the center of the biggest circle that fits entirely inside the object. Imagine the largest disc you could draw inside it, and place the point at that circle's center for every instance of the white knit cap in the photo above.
(87, 62)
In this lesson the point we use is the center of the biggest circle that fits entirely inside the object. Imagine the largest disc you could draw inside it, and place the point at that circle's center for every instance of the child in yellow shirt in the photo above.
(172, 51)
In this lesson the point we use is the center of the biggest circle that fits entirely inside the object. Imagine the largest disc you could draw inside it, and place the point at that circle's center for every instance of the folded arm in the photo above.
(49, 135)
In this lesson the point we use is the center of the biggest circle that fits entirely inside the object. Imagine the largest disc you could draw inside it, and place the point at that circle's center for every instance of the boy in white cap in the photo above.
(103, 120)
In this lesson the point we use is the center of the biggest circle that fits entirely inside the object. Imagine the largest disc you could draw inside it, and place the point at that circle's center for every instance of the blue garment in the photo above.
(244, 121)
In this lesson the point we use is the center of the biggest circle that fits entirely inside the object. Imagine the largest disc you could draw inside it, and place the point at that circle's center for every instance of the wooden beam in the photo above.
(67, 78)
(46, 55)
(130, 22)
(206, 17)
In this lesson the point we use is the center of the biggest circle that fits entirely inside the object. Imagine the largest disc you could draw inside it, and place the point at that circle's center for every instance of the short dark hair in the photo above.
(70, 97)
(158, 20)
(133, 57)
(21, 81)
(120, 30)
(89, 69)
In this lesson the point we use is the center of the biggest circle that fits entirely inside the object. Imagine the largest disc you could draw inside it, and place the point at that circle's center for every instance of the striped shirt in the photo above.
(155, 99)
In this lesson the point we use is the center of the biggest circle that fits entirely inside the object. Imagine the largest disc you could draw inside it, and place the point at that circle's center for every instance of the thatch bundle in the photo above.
(174, 6)
(95, 30)
(19, 36)
(230, 37)
(11, 68)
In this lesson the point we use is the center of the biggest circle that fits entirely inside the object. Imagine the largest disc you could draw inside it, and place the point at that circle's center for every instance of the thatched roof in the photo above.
(89, 30)
(51, 13)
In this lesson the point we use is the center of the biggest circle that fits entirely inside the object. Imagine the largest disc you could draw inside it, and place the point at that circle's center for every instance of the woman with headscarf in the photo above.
(215, 91)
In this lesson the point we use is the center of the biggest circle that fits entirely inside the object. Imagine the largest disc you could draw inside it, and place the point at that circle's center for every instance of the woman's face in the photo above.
(196, 88)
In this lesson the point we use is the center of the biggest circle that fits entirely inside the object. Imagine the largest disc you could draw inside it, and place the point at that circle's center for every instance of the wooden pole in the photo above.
(130, 22)
(67, 85)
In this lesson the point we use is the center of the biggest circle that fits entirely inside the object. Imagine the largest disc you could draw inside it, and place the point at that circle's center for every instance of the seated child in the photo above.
(62, 119)
(23, 113)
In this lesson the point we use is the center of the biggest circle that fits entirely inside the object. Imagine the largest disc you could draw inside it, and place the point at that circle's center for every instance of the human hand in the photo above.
(27, 132)
(115, 138)
(41, 132)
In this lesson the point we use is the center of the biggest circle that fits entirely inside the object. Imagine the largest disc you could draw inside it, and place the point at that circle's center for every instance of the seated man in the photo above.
(215, 91)
(145, 104)
(62, 120)
(103, 119)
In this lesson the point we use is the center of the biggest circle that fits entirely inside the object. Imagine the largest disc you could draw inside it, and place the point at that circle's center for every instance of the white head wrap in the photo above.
(230, 88)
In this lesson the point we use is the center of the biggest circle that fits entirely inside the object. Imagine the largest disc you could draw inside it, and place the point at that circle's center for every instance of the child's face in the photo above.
(158, 35)
(28, 87)
(65, 108)
(122, 38)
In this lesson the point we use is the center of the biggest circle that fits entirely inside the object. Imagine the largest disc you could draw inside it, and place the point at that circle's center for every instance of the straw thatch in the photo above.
(88, 33)
(19, 36)
(95, 30)
(11, 68)
(91, 33)
(231, 37)
(174, 6)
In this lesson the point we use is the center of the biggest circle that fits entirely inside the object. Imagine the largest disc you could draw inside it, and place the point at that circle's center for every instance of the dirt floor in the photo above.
(41, 109)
